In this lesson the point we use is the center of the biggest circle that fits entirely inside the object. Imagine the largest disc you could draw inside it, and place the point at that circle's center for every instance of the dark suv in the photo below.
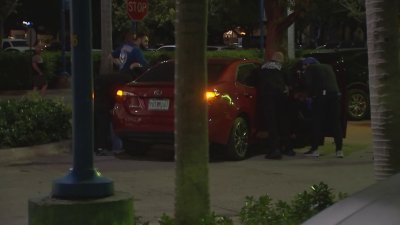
(355, 63)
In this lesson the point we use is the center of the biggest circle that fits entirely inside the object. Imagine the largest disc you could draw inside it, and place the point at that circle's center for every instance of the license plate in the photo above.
(158, 104)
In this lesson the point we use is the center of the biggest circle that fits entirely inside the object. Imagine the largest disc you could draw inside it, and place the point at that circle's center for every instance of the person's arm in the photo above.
(140, 58)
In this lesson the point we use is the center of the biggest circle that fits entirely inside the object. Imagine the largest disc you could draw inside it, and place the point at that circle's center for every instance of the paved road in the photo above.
(29, 172)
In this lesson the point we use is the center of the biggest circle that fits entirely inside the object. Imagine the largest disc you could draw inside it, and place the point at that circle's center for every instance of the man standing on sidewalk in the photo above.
(322, 87)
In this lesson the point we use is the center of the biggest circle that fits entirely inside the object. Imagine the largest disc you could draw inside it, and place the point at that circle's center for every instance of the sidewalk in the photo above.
(29, 172)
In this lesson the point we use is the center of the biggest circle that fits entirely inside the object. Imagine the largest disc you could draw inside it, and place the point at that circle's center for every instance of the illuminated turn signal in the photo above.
(120, 93)
(211, 95)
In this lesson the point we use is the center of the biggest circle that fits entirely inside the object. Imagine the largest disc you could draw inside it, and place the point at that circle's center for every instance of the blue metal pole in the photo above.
(62, 38)
(262, 25)
(134, 26)
(82, 181)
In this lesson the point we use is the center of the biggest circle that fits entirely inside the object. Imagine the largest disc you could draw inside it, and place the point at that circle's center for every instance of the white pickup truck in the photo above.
(15, 45)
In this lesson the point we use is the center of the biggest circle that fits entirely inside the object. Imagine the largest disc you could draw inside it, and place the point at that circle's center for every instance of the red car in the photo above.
(143, 113)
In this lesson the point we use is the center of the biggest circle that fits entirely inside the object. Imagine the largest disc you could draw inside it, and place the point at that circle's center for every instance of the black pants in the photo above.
(275, 112)
(326, 120)
(102, 128)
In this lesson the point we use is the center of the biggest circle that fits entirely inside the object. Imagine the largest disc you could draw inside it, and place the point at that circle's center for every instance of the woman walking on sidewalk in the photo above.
(39, 79)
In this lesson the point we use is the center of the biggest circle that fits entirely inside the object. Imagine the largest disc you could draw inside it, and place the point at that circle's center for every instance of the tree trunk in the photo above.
(106, 37)
(1, 28)
(191, 127)
(277, 24)
(384, 77)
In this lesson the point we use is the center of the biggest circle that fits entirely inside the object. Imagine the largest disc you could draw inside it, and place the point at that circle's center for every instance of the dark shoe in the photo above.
(289, 152)
(274, 155)
(311, 153)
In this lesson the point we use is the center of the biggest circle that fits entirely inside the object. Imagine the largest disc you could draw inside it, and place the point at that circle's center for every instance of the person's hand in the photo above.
(135, 65)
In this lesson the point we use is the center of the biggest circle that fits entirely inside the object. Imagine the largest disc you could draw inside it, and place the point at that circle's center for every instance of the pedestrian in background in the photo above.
(39, 78)
(322, 88)
(272, 94)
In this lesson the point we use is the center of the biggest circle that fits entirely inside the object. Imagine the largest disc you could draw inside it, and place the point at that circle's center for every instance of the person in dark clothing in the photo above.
(129, 56)
(105, 88)
(273, 101)
(322, 87)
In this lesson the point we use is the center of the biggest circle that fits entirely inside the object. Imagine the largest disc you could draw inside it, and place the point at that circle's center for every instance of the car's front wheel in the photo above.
(238, 143)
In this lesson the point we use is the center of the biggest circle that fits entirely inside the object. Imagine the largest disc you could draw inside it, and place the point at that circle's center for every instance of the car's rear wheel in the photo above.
(238, 144)
(358, 104)
(134, 147)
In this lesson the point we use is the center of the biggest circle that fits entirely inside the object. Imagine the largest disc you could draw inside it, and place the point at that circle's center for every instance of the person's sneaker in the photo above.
(289, 152)
(311, 153)
(339, 154)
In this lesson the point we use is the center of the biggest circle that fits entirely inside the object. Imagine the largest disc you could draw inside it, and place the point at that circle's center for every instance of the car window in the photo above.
(164, 72)
(246, 74)
(6, 45)
(20, 44)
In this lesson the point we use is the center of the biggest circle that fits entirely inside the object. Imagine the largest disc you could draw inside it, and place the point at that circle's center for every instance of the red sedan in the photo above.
(144, 110)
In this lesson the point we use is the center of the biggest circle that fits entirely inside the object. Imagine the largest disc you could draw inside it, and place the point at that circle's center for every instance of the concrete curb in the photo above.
(20, 154)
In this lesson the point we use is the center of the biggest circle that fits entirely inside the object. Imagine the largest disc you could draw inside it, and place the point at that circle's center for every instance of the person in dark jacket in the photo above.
(129, 56)
(322, 87)
(272, 93)
(105, 90)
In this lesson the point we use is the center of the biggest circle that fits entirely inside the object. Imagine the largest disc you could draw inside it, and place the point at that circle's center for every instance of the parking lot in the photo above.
(150, 178)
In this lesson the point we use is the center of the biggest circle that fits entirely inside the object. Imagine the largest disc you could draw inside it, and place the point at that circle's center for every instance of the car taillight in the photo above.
(211, 95)
(121, 95)
(131, 101)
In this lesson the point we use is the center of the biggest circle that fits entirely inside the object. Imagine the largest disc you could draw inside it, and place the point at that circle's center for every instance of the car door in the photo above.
(245, 84)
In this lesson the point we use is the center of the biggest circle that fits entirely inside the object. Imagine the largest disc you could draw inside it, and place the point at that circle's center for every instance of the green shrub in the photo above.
(211, 219)
(33, 120)
(15, 73)
(263, 211)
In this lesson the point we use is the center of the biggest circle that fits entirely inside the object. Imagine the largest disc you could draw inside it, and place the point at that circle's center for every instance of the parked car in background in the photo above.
(355, 62)
(15, 45)
(143, 113)
(169, 48)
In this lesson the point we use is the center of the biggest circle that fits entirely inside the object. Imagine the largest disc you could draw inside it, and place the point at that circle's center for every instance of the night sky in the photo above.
(46, 17)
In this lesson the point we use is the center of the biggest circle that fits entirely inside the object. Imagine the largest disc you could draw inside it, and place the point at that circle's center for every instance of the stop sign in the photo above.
(136, 9)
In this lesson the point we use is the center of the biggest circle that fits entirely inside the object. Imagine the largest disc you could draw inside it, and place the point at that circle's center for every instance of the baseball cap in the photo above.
(309, 60)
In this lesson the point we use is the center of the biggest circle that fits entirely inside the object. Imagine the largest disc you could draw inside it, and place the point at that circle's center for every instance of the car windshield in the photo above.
(164, 72)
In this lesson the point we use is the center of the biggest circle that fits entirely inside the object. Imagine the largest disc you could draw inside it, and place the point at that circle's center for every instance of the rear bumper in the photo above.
(147, 137)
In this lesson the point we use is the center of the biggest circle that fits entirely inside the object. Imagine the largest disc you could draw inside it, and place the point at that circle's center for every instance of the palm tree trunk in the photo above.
(106, 37)
(384, 77)
(191, 127)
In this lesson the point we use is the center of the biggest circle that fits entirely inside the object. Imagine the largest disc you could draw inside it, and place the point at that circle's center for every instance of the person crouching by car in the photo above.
(322, 87)
(272, 92)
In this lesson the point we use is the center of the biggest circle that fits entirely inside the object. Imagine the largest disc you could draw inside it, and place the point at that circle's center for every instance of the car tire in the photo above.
(134, 148)
(357, 104)
(238, 143)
